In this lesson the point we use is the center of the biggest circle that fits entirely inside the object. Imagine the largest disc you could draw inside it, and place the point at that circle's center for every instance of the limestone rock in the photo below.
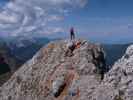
(118, 82)
(50, 75)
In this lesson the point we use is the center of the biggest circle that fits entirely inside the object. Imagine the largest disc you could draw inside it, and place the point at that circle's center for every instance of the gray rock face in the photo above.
(50, 75)
(118, 82)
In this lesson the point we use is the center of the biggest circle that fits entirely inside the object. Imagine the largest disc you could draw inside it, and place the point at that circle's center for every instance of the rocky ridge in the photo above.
(50, 74)
(118, 82)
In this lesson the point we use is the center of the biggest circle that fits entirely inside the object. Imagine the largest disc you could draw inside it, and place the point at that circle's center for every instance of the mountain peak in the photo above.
(61, 70)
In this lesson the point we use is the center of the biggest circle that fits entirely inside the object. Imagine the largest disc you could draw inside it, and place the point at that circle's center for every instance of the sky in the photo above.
(2, 2)
(107, 21)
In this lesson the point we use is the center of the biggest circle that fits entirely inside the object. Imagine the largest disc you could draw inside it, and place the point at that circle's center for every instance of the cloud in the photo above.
(52, 30)
(35, 16)
(55, 18)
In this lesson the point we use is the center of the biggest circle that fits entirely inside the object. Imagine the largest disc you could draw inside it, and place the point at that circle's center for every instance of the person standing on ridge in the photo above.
(72, 34)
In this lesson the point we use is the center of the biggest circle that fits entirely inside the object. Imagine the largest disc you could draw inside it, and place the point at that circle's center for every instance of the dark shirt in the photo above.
(72, 31)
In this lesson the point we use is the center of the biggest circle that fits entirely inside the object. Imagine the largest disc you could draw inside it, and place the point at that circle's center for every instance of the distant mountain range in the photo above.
(17, 50)
(24, 48)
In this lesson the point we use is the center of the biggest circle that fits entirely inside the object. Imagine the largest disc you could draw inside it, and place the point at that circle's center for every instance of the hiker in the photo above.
(72, 34)
(71, 44)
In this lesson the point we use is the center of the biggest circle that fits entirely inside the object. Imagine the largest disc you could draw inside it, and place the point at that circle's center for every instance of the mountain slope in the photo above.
(53, 75)
(7, 60)
(118, 82)
(17, 50)
(24, 48)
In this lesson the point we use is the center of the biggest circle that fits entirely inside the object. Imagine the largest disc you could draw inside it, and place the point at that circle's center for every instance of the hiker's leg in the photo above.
(71, 37)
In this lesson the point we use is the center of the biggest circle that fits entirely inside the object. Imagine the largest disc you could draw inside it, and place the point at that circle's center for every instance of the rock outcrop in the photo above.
(118, 82)
(52, 75)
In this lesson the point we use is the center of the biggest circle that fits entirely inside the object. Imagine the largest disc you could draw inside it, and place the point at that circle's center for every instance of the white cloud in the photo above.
(52, 30)
(57, 29)
(55, 18)
(27, 16)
